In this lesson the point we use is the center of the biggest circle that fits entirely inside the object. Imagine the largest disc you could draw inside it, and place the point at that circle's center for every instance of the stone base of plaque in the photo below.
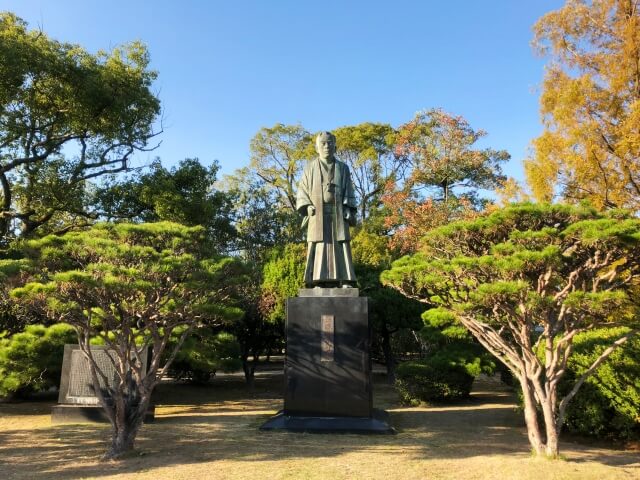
(88, 414)
(378, 423)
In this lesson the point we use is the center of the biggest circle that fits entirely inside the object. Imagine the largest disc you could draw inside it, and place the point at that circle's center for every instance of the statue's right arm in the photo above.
(304, 205)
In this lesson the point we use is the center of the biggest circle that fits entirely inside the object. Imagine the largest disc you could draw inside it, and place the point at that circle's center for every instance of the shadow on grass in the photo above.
(221, 423)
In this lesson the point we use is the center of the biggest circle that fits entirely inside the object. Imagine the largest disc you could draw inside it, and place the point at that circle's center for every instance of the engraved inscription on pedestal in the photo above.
(327, 338)
(76, 383)
(81, 389)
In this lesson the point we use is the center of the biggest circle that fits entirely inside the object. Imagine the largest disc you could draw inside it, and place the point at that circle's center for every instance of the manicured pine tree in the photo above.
(130, 286)
(526, 280)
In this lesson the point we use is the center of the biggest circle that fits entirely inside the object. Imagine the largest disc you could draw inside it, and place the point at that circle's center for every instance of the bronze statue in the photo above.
(326, 198)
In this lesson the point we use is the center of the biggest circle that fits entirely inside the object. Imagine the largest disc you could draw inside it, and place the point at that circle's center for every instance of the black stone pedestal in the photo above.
(377, 423)
(327, 367)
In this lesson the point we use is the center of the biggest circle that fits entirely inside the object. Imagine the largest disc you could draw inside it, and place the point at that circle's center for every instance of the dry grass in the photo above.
(213, 433)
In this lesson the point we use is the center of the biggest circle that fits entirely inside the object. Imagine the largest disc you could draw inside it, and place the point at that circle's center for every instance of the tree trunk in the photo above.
(249, 369)
(128, 420)
(122, 441)
(550, 425)
(552, 448)
(5, 213)
(531, 416)
(389, 360)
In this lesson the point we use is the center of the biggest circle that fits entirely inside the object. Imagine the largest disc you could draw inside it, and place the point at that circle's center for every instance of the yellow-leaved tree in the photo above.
(590, 104)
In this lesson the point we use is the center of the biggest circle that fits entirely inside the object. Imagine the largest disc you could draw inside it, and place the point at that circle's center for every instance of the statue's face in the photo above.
(326, 147)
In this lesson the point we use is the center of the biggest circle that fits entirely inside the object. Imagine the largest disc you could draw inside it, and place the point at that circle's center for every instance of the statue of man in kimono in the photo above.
(325, 197)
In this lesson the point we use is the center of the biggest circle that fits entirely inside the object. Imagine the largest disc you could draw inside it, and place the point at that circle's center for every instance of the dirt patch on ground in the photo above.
(212, 432)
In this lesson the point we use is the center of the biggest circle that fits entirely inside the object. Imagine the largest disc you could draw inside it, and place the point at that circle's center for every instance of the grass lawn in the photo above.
(212, 432)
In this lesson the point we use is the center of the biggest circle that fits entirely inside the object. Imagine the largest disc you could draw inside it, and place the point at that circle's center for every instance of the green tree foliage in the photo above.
(130, 286)
(269, 240)
(446, 340)
(257, 334)
(370, 248)
(260, 222)
(66, 116)
(368, 150)
(608, 404)
(451, 362)
(389, 311)
(283, 276)
(185, 194)
(528, 277)
(15, 317)
(31, 361)
(264, 299)
(278, 155)
(590, 105)
(433, 381)
(265, 192)
(203, 353)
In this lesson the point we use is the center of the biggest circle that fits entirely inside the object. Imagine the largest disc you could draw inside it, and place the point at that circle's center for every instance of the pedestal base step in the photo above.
(66, 413)
(377, 424)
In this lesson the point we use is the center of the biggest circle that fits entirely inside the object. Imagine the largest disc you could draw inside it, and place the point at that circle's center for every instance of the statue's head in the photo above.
(326, 145)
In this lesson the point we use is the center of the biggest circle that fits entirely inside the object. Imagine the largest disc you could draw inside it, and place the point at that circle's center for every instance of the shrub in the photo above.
(204, 353)
(453, 362)
(608, 404)
(31, 361)
(435, 379)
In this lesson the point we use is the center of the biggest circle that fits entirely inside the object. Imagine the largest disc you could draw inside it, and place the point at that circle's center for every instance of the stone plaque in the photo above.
(81, 389)
(76, 384)
(326, 339)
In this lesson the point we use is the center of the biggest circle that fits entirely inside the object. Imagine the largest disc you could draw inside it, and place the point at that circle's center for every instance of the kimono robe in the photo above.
(330, 191)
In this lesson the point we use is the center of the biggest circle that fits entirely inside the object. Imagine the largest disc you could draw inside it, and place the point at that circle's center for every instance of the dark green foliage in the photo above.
(453, 361)
(445, 339)
(390, 312)
(387, 305)
(57, 98)
(14, 318)
(436, 380)
(31, 361)
(184, 194)
(608, 404)
(202, 354)
(261, 221)
(368, 150)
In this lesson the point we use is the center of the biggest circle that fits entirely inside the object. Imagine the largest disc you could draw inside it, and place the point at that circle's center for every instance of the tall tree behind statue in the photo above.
(57, 98)
(590, 147)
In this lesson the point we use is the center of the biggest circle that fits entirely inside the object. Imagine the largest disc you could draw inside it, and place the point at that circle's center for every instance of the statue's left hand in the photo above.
(349, 217)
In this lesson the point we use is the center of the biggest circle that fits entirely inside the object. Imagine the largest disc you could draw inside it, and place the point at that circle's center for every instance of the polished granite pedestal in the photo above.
(327, 369)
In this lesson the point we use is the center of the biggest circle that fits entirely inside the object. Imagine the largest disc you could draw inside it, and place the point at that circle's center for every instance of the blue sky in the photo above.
(226, 69)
